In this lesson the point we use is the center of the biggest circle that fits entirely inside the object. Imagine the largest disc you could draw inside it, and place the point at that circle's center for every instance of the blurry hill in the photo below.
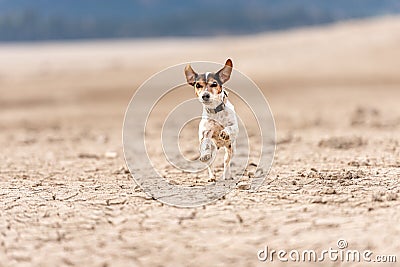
(27, 20)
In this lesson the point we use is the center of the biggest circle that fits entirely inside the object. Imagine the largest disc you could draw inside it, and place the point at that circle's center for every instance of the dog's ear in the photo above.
(225, 73)
(190, 75)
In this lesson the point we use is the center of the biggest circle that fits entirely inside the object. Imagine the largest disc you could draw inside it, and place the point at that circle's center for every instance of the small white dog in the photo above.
(218, 126)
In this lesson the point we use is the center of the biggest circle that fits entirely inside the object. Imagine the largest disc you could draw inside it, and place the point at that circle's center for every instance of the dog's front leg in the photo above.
(211, 175)
(206, 146)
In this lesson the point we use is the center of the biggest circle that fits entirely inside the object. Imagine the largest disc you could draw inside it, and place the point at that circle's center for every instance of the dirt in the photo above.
(68, 199)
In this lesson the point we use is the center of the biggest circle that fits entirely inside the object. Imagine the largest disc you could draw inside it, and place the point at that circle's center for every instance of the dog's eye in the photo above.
(214, 84)
(198, 85)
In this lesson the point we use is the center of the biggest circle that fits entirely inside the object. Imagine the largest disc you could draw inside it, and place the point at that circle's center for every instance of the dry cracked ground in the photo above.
(67, 198)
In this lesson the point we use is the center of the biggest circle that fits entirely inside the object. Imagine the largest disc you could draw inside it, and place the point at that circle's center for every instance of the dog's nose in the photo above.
(206, 96)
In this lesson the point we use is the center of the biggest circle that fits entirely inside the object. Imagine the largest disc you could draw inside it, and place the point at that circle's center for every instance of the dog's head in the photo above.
(208, 86)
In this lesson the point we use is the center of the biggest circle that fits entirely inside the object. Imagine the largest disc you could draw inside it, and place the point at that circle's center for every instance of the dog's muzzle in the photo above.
(206, 97)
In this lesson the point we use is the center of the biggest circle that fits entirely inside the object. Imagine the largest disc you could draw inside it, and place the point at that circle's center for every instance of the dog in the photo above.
(218, 126)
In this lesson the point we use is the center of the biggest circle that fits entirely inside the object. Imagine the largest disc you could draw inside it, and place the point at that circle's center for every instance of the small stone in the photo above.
(243, 186)
(87, 156)
(377, 198)
(111, 154)
(391, 196)
(102, 139)
(318, 200)
(259, 172)
(329, 191)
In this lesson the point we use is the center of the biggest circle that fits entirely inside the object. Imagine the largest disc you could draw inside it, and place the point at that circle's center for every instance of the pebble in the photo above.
(111, 154)
(243, 186)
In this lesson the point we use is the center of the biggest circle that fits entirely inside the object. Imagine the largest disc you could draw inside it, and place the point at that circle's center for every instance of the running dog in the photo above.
(218, 126)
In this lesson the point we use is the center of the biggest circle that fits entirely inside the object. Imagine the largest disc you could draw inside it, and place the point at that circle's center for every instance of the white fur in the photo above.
(224, 121)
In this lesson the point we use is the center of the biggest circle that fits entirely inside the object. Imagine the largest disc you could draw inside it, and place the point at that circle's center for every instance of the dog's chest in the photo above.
(212, 128)
(211, 125)
(222, 118)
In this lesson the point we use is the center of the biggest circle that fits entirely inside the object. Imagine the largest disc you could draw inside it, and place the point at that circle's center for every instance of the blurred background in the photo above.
(68, 69)
(96, 52)
(25, 20)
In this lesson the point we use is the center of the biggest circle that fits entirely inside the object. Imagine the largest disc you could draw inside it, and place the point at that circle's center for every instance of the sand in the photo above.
(68, 199)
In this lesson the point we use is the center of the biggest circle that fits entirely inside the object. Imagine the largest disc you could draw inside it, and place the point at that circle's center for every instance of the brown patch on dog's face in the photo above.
(211, 85)
(208, 86)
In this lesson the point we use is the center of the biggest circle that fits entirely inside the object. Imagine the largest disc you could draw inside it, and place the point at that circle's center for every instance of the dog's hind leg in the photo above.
(227, 161)
(211, 175)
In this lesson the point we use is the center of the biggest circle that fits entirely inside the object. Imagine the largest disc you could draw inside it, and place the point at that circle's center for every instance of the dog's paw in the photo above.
(227, 177)
(224, 135)
(205, 157)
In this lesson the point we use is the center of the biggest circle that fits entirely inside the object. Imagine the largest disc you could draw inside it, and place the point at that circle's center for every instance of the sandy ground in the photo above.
(68, 200)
